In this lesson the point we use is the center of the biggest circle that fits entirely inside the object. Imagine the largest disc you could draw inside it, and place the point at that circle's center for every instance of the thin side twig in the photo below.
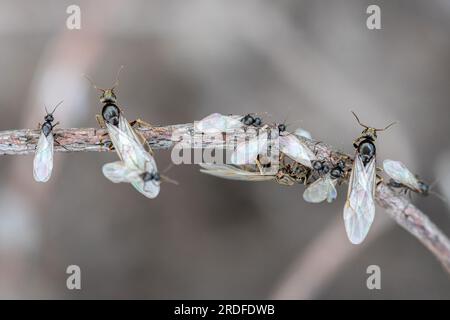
(398, 207)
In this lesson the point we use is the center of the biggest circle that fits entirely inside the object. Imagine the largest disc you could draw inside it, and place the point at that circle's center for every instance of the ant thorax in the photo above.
(47, 128)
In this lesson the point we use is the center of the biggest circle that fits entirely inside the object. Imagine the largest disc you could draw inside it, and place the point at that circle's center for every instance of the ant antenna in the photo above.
(93, 84)
(367, 127)
(59, 103)
(357, 119)
(287, 116)
(387, 127)
(116, 83)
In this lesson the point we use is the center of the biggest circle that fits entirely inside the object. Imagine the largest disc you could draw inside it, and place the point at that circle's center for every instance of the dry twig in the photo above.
(17, 142)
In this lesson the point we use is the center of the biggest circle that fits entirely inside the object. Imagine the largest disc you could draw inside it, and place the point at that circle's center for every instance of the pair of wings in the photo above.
(247, 152)
(135, 160)
(359, 210)
(43, 159)
(320, 190)
(233, 172)
(400, 173)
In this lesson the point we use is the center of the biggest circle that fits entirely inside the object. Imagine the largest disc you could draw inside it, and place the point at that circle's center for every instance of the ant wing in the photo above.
(150, 188)
(233, 173)
(125, 126)
(129, 149)
(247, 151)
(118, 172)
(320, 190)
(43, 159)
(299, 132)
(291, 146)
(332, 192)
(398, 171)
(217, 123)
(359, 210)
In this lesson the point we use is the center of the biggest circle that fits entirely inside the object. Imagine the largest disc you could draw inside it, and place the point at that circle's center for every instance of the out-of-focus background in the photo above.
(309, 62)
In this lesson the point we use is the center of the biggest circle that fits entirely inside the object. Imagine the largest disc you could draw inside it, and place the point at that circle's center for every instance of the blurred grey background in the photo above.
(309, 62)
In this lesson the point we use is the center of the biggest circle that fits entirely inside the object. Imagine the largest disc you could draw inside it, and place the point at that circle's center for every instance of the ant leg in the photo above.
(380, 179)
(140, 123)
(282, 157)
(57, 123)
(259, 165)
(307, 176)
(315, 145)
(59, 144)
(167, 179)
(100, 121)
(106, 143)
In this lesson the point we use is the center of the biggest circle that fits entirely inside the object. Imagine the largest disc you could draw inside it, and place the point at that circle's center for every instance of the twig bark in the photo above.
(19, 142)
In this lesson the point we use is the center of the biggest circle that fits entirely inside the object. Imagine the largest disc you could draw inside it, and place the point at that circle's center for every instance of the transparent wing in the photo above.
(332, 192)
(291, 146)
(234, 173)
(119, 172)
(216, 122)
(359, 210)
(320, 190)
(247, 151)
(43, 159)
(125, 126)
(400, 173)
(128, 146)
(299, 132)
(150, 189)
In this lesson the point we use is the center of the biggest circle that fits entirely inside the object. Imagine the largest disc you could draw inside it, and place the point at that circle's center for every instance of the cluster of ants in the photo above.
(298, 164)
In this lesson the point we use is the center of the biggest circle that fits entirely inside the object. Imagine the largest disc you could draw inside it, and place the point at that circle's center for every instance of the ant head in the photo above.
(317, 165)
(107, 95)
(370, 132)
(248, 120)
(424, 188)
(49, 116)
(282, 127)
(257, 122)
